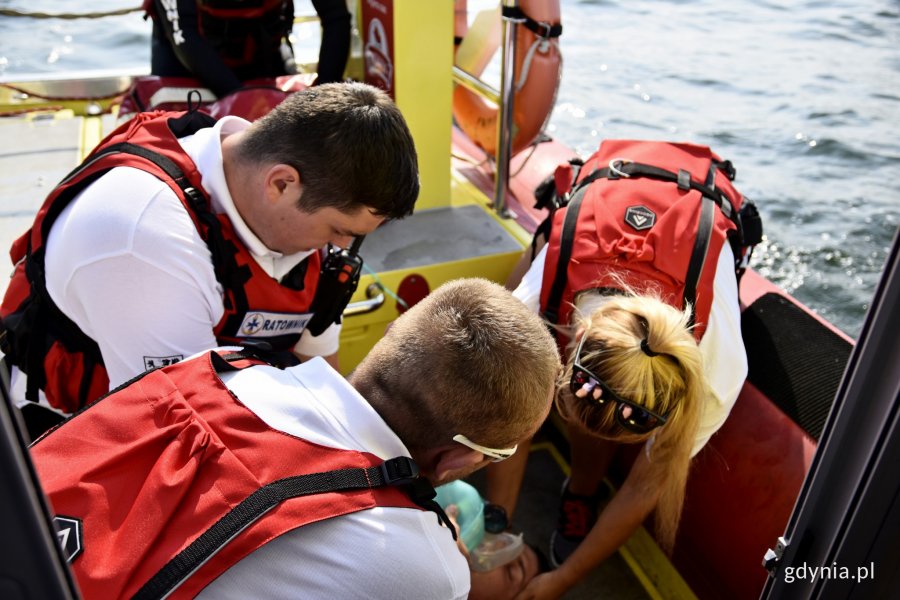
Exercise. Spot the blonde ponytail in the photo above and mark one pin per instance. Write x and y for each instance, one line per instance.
(644, 351)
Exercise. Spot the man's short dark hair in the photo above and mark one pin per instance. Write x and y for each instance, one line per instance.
(350, 145)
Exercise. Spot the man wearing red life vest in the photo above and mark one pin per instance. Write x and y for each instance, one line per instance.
(140, 477)
(179, 234)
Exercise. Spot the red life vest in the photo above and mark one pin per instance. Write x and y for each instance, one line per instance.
(654, 214)
(172, 460)
(57, 356)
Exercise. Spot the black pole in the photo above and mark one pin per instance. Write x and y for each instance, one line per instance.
(31, 560)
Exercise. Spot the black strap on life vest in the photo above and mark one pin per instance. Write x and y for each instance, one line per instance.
(223, 252)
(400, 471)
(228, 273)
(539, 28)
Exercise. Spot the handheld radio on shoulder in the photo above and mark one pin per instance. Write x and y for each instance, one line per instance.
(337, 282)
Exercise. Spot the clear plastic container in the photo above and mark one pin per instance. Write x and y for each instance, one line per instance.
(496, 549)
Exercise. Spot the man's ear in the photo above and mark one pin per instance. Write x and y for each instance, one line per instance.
(454, 458)
(283, 181)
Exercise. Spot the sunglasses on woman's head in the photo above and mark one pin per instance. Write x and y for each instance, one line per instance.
(629, 415)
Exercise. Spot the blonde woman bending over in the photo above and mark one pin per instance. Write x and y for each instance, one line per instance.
(638, 279)
(634, 374)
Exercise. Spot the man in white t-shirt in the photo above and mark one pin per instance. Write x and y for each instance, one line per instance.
(458, 381)
(142, 277)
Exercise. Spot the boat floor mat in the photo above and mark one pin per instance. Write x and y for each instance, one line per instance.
(794, 359)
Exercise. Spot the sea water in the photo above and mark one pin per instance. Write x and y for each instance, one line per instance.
(803, 96)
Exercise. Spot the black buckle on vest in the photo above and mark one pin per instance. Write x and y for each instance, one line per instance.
(545, 29)
(196, 198)
(399, 471)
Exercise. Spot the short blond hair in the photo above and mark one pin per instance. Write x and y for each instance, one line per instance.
(670, 383)
(468, 359)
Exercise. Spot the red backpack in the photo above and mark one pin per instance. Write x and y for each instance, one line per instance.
(654, 214)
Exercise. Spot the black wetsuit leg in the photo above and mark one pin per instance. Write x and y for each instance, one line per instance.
(335, 46)
(163, 61)
(180, 32)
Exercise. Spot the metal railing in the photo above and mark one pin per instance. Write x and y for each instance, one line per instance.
(504, 99)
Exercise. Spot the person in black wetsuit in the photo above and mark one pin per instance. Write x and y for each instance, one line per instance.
(335, 46)
(226, 43)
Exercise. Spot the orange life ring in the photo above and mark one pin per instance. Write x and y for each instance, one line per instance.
(536, 80)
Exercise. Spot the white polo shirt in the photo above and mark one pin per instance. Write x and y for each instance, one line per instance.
(385, 553)
(722, 346)
(126, 264)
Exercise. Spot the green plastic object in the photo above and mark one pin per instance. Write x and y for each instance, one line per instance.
(471, 510)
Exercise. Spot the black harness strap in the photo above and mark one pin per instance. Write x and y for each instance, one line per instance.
(698, 255)
(701, 247)
(551, 312)
(401, 470)
(626, 170)
(539, 28)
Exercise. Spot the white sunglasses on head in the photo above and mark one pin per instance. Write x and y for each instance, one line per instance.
(496, 455)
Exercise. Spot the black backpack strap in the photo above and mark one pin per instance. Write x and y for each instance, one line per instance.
(539, 28)
(399, 471)
(701, 245)
(541, 231)
(623, 169)
(567, 237)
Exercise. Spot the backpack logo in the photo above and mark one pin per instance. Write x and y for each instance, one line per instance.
(69, 534)
(640, 217)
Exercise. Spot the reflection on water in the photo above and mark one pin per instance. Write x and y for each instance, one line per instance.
(801, 96)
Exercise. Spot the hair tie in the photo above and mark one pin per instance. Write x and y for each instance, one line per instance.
(645, 346)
